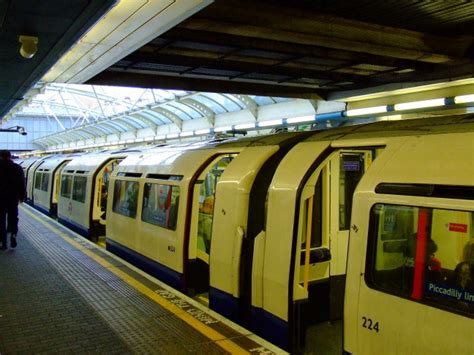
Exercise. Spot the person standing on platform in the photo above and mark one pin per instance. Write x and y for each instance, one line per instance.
(12, 191)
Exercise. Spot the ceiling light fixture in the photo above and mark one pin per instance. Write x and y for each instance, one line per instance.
(419, 104)
(366, 111)
(29, 46)
(464, 99)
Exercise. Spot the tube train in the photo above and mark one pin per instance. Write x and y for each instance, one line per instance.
(262, 226)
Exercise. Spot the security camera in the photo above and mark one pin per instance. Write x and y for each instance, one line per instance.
(29, 46)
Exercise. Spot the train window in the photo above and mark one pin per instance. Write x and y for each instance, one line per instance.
(66, 186)
(423, 254)
(79, 188)
(160, 205)
(350, 173)
(125, 198)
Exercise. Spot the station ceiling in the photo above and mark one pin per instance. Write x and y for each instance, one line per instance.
(315, 49)
(57, 24)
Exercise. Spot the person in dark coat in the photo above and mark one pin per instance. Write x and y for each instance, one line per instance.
(12, 191)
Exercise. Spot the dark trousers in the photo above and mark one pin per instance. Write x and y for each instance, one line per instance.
(8, 219)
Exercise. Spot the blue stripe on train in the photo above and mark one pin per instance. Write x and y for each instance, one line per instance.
(75, 227)
(42, 209)
(161, 272)
(263, 324)
(224, 303)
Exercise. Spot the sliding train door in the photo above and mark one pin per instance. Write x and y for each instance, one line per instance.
(55, 187)
(322, 244)
(202, 216)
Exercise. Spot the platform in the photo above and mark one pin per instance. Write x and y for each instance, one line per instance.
(61, 293)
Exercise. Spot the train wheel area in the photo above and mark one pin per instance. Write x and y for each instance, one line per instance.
(60, 291)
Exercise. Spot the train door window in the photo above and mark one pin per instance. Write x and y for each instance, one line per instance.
(207, 191)
(160, 205)
(79, 189)
(66, 186)
(38, 177)
(101, 189)
(57, 181)
(423, 254)
(314, 252)
(351, 169)
(125, 198)
(45, 181)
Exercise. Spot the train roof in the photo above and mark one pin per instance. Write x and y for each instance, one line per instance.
(90, 162)
(421, 126)
(25, 164)
(54, 161)
(185, 158)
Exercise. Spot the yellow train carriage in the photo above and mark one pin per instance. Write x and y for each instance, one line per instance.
(299, 271)
(410, 273)
(164, 206)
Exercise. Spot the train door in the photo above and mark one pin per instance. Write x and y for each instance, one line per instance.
(323, 234)
(100, 190)
(31, 181)
(418, 277)
(202, 215)
(55, 187)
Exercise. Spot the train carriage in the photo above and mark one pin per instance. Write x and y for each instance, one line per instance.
(315, 182)
(167, 226)
(410, 274)
(30, 176)
(45, 184)
(83, 194)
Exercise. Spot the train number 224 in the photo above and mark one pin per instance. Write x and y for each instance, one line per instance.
(370, 324)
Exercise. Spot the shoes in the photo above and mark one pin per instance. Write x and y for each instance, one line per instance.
(13, 241)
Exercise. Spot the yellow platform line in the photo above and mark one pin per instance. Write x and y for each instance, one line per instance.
(210, 333)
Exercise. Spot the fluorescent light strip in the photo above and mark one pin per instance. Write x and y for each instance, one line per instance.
(223, 129)
(270, 123)
(244, 126)
(186, 134)
(202, 131)
(366, 111)
(464, 99)
(299, 119)
(419, 104)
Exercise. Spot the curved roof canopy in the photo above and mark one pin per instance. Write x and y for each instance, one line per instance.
(103, 111)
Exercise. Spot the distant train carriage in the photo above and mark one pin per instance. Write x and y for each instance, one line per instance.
(30, 170)
(83, 193)
(46, 184)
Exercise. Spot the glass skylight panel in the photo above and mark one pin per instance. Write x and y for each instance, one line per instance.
(262, 100)
(214, 106)
(190, 111)
(184, 115)
(222, 100)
